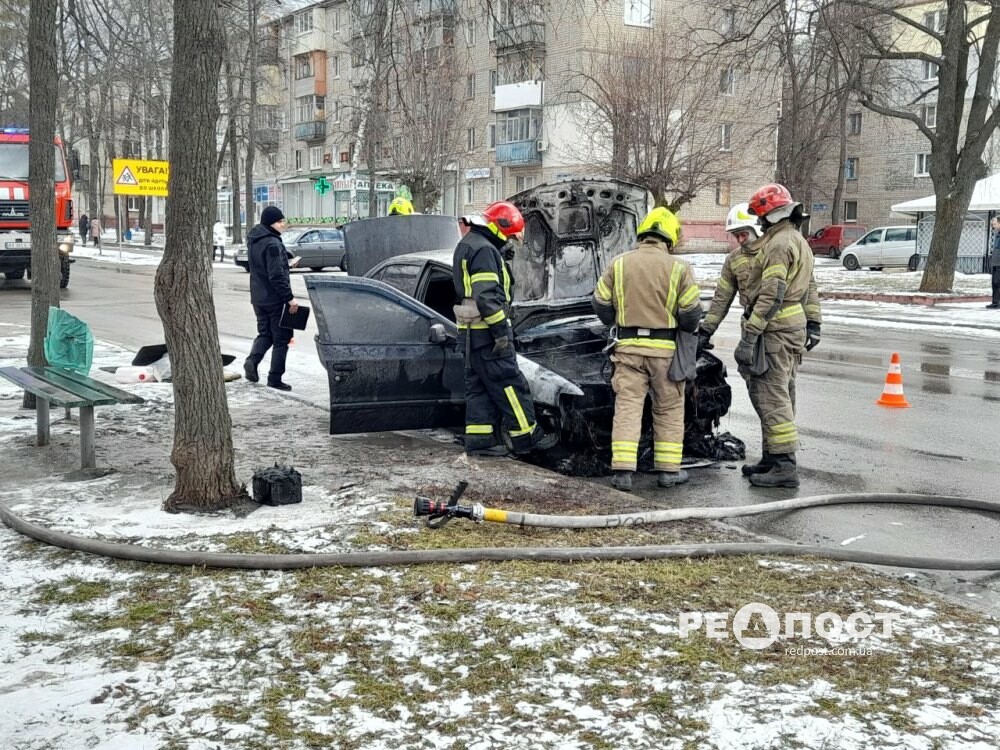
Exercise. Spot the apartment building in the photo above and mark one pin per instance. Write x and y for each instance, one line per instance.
(524, 119)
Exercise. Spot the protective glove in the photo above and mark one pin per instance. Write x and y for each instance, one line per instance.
(500, 344)
(705, 341)
(812, 336)
(744, 351)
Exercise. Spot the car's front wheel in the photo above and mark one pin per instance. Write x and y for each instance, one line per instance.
(914, 263)
(244, 266)
(851, 263)
(13, 275)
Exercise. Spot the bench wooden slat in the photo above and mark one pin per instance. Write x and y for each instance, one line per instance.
(106, 390)
(56, 378)
(42, 389)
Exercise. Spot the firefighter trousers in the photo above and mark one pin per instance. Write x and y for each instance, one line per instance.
(497, 393)
(773, 393)
(635, 376)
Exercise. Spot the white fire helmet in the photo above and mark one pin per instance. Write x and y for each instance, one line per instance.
(740, 218)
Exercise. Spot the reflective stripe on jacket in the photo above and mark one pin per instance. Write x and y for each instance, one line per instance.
(648, 288)
(479, 273)
(782, 292)
(737, 271)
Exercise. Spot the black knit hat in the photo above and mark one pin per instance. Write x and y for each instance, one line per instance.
(271, 216)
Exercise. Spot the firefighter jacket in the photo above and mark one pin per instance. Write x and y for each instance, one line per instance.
(782, 293)
(480, 275)
(737, 270)
(648, 293)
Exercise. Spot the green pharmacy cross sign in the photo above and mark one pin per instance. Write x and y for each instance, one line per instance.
(323, 186)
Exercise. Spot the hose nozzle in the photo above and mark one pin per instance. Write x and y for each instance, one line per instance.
(438, 513)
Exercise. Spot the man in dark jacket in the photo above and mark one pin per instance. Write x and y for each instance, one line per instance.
(995, 263)
(270, 292)
(84, 226)
(495, 389)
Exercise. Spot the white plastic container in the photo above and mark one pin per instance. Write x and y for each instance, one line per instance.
(134, 375)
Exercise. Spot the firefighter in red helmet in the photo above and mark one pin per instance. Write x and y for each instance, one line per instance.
(782, 319)
(496, 394)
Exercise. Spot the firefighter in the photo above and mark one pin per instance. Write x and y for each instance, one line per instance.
(737, 270)
(495, 390)
(648, 294)
(783, 308)
(400, 206)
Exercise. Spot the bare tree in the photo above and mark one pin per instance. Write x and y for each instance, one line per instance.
(43, 78)
(948, 58)
(203, 445)
(654, 118)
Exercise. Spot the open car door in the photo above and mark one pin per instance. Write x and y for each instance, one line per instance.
(392, 363)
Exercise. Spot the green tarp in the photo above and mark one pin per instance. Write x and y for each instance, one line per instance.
(69, 343)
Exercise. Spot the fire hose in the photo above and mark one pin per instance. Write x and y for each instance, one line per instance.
(438, 513)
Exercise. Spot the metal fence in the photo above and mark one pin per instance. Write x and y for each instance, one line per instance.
(972, 245)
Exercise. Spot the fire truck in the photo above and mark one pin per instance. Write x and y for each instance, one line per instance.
(15, 218)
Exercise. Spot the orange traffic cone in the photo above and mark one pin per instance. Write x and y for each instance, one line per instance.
(892, 393)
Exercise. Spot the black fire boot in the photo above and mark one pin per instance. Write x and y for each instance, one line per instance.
(622, 480)
(671, 478)
(765, 464)
(278, 385)
(784, 473)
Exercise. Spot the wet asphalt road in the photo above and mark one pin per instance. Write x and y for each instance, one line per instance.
(947, 444)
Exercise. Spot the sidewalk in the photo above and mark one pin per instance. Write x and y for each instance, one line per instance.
(109, 655)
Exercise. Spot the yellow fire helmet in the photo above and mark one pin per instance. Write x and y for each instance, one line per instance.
(663, 223)
(400, 207)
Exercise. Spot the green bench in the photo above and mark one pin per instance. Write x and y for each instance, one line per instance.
(58, 387)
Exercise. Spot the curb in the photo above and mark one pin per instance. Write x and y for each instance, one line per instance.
(904, 298)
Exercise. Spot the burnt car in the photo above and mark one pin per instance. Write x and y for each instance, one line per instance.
(390, 345)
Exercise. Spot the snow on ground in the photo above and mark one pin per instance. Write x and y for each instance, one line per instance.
(98, 653)
(115, 255)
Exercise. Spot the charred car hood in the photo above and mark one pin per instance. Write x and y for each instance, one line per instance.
(370, 241)
(572, 230)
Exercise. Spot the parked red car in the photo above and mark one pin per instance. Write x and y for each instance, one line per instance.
(830, 240)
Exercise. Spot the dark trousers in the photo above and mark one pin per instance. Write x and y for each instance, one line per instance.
(271, 336)
(222, 252)
(496, 392)
(996, 285)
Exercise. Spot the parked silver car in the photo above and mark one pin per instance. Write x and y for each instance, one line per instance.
(884, 247)
(316, 247)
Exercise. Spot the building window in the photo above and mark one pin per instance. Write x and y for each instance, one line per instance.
(470, 32)
(491, 136)
(308, 108)
(638, 12)
(470, 192)
(470, 86)
(930, 115)
(335, 66)
(727, 81)
(298, 159)
(854, 124)
(336, 20)
(303, 67)
(936, 20)
(471, 139)
(335, 112)
(345, 157)
(726, 136)
(851, 168)
(303, 22)
(930, 71)
(851, 211)
(922, 165)
(494, 191)
(135, 203)
(722, 191)
(518, 125)
(316, 157)
(728, 25)
(524, 182)
(493, 82)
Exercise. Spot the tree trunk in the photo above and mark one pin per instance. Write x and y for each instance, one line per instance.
(43, 82)
(939, 275)
(203, 440)
(252, 12)
(838, 192)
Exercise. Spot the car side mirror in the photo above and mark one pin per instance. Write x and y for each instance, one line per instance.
(438, 334)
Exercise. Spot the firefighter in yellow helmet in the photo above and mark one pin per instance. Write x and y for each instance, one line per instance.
(648, 294)
(400, 207)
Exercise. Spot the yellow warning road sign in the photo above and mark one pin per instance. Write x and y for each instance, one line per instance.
(137, 177)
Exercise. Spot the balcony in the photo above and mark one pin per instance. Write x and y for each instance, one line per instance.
(529, 35)
(518, 153)
(311, 131)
